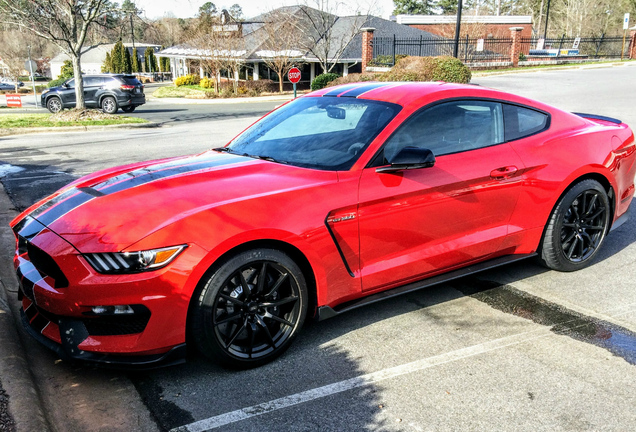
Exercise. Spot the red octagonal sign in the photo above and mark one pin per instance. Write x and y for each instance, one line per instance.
(294, 75)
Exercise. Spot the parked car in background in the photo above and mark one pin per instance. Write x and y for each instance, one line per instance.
(106, 91)
(7, 84)
(338, 199)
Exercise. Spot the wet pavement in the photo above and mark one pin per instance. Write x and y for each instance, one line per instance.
(619, 341)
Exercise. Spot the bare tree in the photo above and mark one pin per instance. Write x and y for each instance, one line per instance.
(281, 49)
(324, 33)
(219, 47)
(64, 22)
(13, 52)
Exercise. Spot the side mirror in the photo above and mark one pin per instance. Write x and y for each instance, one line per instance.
(409, 158)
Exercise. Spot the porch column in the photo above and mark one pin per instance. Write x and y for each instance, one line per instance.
(345, 69)
(255, 72)
(201, 73)
(312, 71)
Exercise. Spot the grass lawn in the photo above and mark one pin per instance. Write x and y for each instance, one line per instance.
(43, 120)
(179, 92)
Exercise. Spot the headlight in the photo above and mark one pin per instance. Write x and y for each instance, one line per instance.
(45, 91)
(133, 262)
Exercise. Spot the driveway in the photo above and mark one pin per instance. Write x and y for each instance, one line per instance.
(517, 348)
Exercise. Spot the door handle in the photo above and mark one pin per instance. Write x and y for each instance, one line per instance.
(503, 172)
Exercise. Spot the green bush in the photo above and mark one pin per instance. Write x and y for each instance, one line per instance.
(444, 68)
(322, 80)
(57, 82)
(450, 69)
(187, 80)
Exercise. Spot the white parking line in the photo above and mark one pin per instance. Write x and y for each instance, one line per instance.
(320, 392)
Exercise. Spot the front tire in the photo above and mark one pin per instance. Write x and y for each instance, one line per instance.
(54, 104)
(250, 309)
(577, 227)
(109, 105)
(128, 109)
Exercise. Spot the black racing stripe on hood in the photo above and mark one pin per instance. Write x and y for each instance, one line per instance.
(28, 228)
(63, 207)
(157, 172)
(64, 203)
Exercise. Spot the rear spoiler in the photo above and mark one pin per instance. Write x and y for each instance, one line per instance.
(598, 117)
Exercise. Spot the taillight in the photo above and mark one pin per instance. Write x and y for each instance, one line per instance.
(127, 87)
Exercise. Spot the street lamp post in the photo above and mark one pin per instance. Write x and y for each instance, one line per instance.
(35, 96)
(457, 28)
(547, 15)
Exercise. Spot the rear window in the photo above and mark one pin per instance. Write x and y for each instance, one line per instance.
(131, 81)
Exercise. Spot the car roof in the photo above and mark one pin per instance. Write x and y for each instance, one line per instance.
(407, 93)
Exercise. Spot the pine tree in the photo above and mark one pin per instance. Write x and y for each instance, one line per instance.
(118, 58)
(127, 61)
(151, 60)
(107, 67)
(135, 62)
(414, 7)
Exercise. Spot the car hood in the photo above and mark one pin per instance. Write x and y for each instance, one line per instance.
(107, 215)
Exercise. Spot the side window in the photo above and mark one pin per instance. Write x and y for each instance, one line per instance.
(92, 82)
(522, 122)
(71, 84)
(450, 127)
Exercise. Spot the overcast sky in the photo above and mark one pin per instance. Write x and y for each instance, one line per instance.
(189, 8)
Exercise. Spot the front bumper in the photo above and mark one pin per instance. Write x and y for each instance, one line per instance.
(58, 290)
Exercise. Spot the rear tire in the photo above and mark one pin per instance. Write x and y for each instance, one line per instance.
(250, 309)
(54, 104)
(577, 227)
(109, 105)
(128, 109)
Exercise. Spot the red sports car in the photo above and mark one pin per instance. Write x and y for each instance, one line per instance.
(337, 199)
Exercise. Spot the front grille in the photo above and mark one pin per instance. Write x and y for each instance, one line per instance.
(45, 264)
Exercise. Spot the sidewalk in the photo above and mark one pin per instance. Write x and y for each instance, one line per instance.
(45, 393)
(25, 405)
(188, 101)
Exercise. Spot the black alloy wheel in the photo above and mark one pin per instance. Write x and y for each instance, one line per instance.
(577, 227)
(250, 309)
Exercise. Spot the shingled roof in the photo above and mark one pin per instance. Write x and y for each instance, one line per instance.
(254, 35)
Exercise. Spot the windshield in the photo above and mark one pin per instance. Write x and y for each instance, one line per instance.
(316, 132)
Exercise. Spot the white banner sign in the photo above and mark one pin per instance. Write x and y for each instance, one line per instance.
(626, 22)
(480, 44)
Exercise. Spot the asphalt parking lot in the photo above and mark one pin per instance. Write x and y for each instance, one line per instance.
(517, 348)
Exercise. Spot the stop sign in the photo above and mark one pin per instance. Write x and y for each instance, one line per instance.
(294, 75)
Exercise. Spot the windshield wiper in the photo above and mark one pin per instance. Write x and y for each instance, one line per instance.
(267, 158)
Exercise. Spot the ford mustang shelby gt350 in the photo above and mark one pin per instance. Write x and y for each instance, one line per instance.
(334, 200)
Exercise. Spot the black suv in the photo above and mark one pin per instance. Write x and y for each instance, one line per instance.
(108, 92)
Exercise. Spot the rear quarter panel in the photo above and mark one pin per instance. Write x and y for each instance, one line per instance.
(571, 148)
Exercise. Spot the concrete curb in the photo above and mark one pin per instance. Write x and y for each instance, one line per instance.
(25, 404)
(24, 131)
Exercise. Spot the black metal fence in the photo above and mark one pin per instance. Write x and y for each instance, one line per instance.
(589, 47)
(387, 50)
